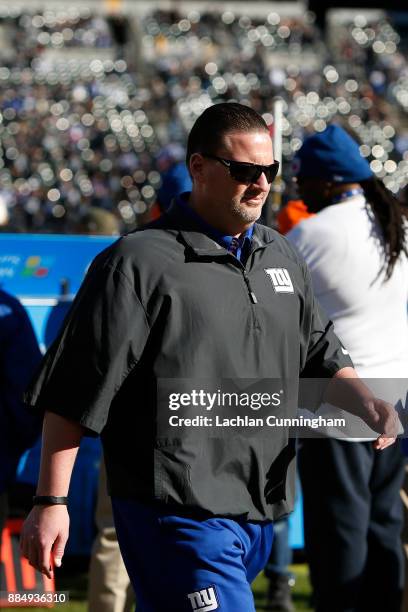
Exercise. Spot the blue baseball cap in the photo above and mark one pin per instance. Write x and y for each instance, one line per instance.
(332, 155)
(175, 181)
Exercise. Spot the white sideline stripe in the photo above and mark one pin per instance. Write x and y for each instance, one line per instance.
(39, 301)
(47, 301)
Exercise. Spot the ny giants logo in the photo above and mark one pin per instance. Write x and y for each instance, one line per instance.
(204, 600)
(280, 280)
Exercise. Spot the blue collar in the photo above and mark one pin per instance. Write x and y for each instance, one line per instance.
(231, 244)
(347, 194)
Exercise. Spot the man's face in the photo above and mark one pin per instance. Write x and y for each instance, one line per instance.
(234, 205)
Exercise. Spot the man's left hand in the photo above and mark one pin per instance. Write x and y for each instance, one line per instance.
(383, 418)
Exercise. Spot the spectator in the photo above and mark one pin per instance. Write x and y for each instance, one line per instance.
(291, 214)
(357, 254)
(86, 132)
(19, 357)
(109, 588)
(97, 222)
(175, 179)
(280, 579)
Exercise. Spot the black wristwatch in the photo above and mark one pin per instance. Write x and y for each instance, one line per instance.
(49, 500)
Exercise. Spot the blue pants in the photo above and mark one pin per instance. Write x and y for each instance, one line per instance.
(179, 564)
(353, 520)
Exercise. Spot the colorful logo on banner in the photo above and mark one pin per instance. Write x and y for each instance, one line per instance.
(37, 267)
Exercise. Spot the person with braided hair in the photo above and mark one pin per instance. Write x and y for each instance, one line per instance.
(356, 250)
(390, 216)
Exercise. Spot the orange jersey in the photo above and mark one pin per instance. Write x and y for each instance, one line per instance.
(291, 214)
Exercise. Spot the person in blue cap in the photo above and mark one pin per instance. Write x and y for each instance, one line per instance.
(175, 180)
(174, 175)
(356, 250)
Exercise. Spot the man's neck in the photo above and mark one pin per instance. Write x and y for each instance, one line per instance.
(230, 228)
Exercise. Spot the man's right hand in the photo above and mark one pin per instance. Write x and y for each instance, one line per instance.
(45, 532)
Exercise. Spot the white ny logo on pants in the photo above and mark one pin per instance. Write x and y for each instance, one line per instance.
(204, 600)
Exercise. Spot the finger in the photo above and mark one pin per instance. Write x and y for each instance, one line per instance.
(58, 549)
(380, 443)
(45, 561)
(383, 442)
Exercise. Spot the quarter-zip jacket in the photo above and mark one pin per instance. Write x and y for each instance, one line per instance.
(167, 302)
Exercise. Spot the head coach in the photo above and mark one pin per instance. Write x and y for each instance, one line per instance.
(204, 292)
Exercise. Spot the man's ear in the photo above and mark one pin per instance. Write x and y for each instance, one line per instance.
(196, 167)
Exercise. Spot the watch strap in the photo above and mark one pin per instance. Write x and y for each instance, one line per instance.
(49, 500)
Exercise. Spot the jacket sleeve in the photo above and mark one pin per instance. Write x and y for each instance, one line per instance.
(101, 342)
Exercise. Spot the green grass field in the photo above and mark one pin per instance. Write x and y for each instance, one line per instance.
(76, 583)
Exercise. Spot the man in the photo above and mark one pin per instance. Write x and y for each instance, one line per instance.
(19, 357)
(356, 251)
(196, 296)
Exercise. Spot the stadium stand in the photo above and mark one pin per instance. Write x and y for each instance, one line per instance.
(84, 117)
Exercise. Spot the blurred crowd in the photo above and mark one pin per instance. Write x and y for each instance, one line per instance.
(87, 129)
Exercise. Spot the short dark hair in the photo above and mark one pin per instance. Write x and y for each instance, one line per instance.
(218, 120)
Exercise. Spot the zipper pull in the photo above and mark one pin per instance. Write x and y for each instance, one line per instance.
(248, 284)
(253, 297)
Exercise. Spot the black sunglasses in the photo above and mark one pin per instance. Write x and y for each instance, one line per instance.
(245, 172)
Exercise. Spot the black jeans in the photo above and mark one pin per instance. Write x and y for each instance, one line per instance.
(353, 522)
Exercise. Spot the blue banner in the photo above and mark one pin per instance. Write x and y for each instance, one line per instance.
(36, 266)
